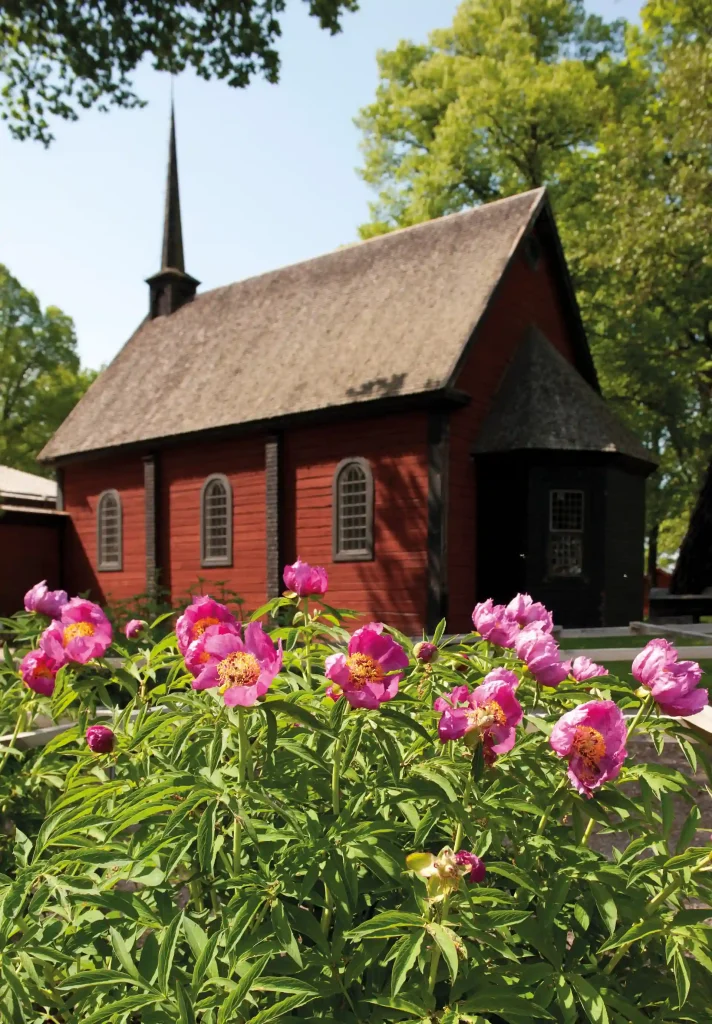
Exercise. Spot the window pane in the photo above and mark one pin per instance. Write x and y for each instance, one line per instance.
(566, 511)
(565, 554)
(216, 524)
(109, 532)
(352, 520)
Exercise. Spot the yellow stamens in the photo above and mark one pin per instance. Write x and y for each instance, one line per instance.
(238, 669)
(487, 715)
(363, 669)
(76, 629)
(202, 624)
(590, 746)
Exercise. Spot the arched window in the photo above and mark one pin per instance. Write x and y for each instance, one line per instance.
(109, 547)
(353, 511)
(216, 521)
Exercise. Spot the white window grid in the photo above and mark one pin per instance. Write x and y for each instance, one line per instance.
(109, 532)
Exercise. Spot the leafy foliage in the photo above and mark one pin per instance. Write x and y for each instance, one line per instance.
(40, 376)
(616, 122)
(59, 56)
(249, 865)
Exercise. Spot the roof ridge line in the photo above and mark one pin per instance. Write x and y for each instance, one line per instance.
(397, 232)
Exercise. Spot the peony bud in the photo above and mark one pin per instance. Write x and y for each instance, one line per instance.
(425, 651)
(134, 627)
(100, 739)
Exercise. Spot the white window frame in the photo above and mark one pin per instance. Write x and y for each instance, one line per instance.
(339, 552)
(208, 561)
(102, 564)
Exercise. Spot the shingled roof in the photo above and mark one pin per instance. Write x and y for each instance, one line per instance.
(385, 317)
(543, 403)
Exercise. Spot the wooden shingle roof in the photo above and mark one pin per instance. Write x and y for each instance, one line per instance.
(386, 317)
(543, 404)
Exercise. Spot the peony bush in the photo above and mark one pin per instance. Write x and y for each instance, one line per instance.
(307, 823)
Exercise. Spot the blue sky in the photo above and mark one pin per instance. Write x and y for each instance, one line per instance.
(267, 174)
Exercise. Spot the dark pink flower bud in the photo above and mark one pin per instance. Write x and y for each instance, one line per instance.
(305, 580)
(476, 866)
(100, 739)
(425, 651)
(134, 627)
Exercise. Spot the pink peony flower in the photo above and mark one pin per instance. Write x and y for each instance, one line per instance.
(39, 672)
(592, 737)
(198, 616)
(371, 671)
(530, 614)
(47, 602)
(242, 669)
(196, 657)
(494, 623)
(673, 684)
(134, 627)
(473, 862)
(541, 654)
(656, 656)
(583, 668)
(82, 633)
(426, 652)
(100, 739)
(305, 580)
(491, 710)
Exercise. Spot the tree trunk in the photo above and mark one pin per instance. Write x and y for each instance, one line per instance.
(653, 555)
(693, 571)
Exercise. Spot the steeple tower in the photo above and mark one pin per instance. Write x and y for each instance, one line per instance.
(171, 287)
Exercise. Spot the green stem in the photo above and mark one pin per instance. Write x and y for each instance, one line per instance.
(18, 729)
(587, 834)
(465, 798)
(435, 955)
(236, 845)
(547, 813)
(328, 911)
(307, 644)
(336, 768)
(243, 749)
(644, 708)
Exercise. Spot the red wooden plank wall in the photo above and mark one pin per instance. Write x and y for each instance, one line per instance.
(83, 483)
(391, 588)
(526, 296)
(182, 472)
(28, 553)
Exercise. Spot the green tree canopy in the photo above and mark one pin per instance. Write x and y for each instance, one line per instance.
(40, 376)
(616, 121)
(58, 57)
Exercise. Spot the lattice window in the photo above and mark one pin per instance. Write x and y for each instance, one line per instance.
(566, 510)
(353, 511)
(108, 532)
(216, 521)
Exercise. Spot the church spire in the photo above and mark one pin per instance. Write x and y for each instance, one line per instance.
(171, 287)
(172, 255)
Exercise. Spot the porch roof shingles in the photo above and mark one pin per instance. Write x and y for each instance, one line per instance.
(543, 403)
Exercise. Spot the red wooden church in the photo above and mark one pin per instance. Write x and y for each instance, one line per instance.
(418, 412)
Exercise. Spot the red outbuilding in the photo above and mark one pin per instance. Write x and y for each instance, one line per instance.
(419, 413)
